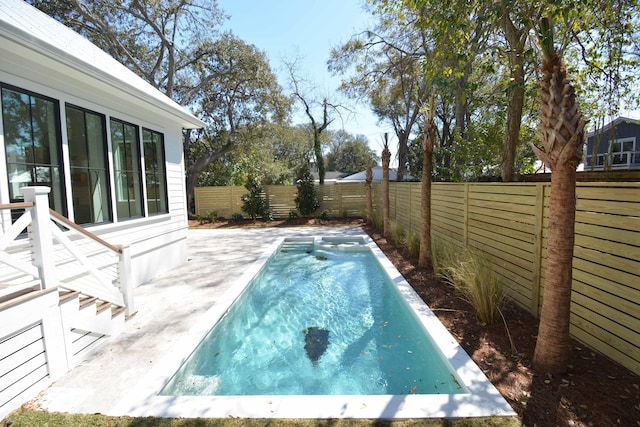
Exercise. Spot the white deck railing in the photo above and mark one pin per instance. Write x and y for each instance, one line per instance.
(63, 253)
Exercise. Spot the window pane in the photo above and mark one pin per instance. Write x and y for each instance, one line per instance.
(33, 144)
(128, 173)
(77, 137)
(96, 143)
(87, 147)
(16, 115)
(156, 178)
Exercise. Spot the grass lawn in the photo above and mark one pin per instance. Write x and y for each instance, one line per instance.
(32, 418)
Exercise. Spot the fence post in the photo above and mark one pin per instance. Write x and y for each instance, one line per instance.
(40, 234)
(124, 278)
(465, 222)
(537, 250)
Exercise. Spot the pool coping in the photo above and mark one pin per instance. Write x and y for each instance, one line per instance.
(482, 400)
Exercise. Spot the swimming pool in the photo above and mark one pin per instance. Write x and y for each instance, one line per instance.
(469, 392)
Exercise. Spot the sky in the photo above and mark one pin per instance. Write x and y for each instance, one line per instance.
(308, 30)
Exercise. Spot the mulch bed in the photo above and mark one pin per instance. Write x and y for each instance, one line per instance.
(594, 391)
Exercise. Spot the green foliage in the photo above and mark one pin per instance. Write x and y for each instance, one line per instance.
(254, 203)
(472, 277)
(236, 217)
(213, 216)
(397, 233)
(324, 215)
(293, 214)
(377, 219)
(307, 199)
(349, 153)
(412, 243)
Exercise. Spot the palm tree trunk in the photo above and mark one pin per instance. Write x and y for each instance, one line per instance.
(369, 181)
(386, 159)
(562, 129)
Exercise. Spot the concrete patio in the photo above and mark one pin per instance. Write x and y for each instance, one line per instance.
(167, 307)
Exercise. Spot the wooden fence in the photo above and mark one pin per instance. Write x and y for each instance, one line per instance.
(344, 200)
(508, 224)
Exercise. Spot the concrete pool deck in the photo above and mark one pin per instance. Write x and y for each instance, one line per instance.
(169, 307)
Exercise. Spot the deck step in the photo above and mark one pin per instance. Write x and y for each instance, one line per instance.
(86, 301)
(102, 306)
(67, 295)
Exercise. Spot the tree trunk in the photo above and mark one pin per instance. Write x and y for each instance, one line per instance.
(425, 205)
(369, 181)
(562, 129)
(386, 159)
(403, 149)
(516, 40)
(552, 352)
(317, 150)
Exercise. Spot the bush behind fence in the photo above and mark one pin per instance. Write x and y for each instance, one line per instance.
(507, 223)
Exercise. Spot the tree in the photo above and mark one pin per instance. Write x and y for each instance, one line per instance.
(562, 128)
(349, 153)
(386, 159)
(253, 203)
(317, 126)
(159, 40)
(174, 45)
(237, 105)
(516, 27)
(306, 200)
(385, 68)
(427, 166)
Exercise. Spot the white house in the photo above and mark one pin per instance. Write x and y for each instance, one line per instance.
(107, 143)
(86, 137)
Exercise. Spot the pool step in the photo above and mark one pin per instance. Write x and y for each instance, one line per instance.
(301, 244)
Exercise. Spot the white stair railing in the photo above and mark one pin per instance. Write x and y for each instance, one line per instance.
(108, 281)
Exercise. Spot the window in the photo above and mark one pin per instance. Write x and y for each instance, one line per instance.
(33, 144)
(127, 169)
(155, 174)
(88, 163)
(622, 150)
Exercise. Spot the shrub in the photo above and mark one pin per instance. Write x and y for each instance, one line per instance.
(443, 255)
(324, 215)
(472, 277)
(306, 200)
(377, 220)
(213, 216)
(412, 242)
(293, 214)
(397, 233)
(254, 203)
(236, 217)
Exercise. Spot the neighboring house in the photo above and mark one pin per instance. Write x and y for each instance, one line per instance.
(614, 147)
(376, 175)
(84, 136)
(107, 143)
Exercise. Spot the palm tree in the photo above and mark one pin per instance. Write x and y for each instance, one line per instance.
(369, 181)
(562, 135)
(386, 159)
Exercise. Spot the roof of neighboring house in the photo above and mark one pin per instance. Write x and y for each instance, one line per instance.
(615, 122)
(31, 28)
(377, 176)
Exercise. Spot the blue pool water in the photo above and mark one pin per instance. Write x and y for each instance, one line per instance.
(317, 320)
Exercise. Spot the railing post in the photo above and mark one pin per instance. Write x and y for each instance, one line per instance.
(124, 278)
(40, 234)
